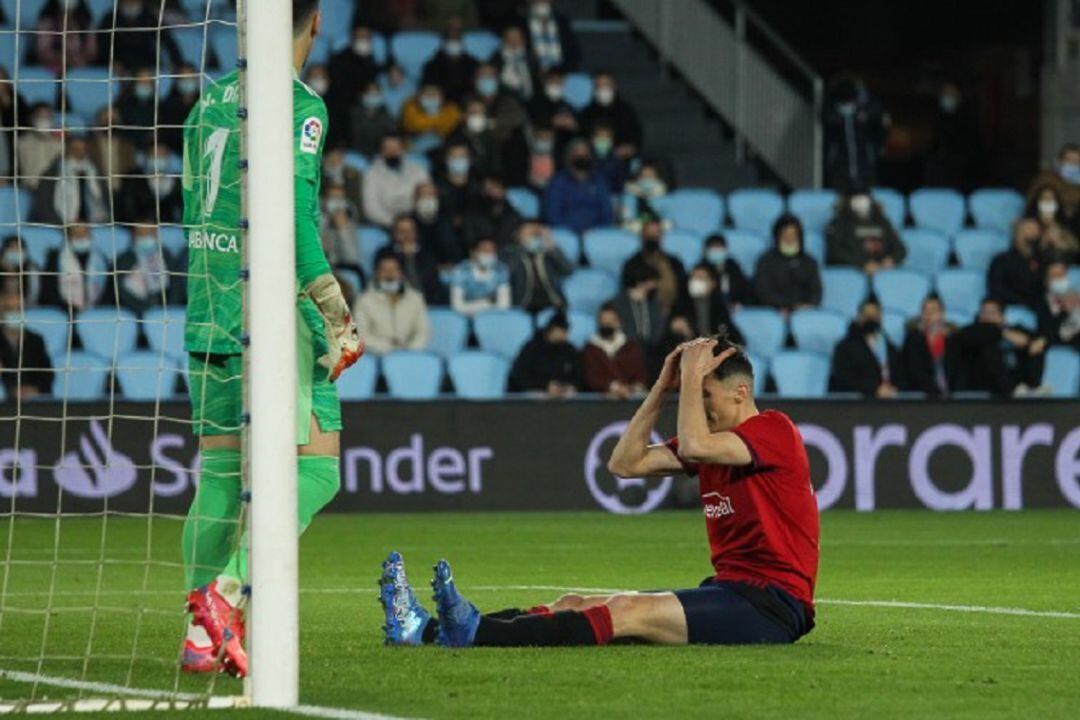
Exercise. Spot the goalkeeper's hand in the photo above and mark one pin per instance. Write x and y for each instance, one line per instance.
(343, 342)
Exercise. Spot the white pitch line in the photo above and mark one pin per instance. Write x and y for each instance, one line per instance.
(105, 688)
(954, 608)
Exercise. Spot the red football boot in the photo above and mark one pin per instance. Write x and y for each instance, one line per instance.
(223, 623)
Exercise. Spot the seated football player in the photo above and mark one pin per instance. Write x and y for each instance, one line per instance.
(761, 519)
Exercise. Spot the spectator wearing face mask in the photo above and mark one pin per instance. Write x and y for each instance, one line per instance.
(927, 355)
(548, 107)
(390, 182)
(639, 310)
(143, 272)
(430, 114)
(352, 71)
(420, 267)
(153, 190)
(786, 278)
(995, 358)
(518, 73)
(436, 235)
(77, 275)
(956, 151)
(12, 106)
(490, 215)
(577, 197)
(703, 304)
(508, 121)
(671, 275)
(482, 282)
(62, 40)
(336, 171)
(1064, 177)
(639, 194)
(458, 183)
(396, 88)
(854, 131)
(1057, 238)
(608, 108)
(552, 44)
(608, 165)
(548, 363)
(475, 131)
(109, 149)
(370, 121)
(451, 68)
(731, 283)
(390, 314)
(1059, 314)
(317, 78)
(25, 367)
(865, 361)
(18, 273)
(541, 157)
(1015, 276)
(39, 147)
(338, 231)
(537, 269)
(861, 236)
(613, 364)
(176, 106)
(137, 107)
(73, 190)
(139, 42)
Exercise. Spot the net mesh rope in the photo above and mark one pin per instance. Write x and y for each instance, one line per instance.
(98, 469)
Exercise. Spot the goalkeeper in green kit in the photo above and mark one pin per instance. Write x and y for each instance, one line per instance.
(327, 343)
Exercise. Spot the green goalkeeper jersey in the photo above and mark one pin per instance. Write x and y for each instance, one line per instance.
(212, 209)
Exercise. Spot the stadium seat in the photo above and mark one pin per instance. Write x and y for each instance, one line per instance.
(89, 89)
(818, 330)
(201, 10)
(697, 209)
(413, 48)
(356, 161)
(420, 159)
(801, 374)
(14, 205)
(582, 326)
(745, 247)
(101, 10)
(111, 240)
(524, 201)
(995, 208)
(358, 382)
(107, 331)
(478, 375)
(814, 208)
(755, 210)
(608, 248)
(448, 331)
(164, 329)
(927, 250)
(371, 239)
(53, 325)
(37, 85)
(191, 41)
(1074, 277)
(1021, 316)
(25, 12)
(1062, 372)
(577, 90)
(351, 277)
(761, 371)
(763, 328)
(413, 374)
(814, 245)
(38, 241)
(843, 288)
(321, 50)
(567, 241)
(172, 239)
(80, 375)
(223, 42)
(895, 326)
(337, 21)
(961, 291)
(146, 375)
(892, 204)
(976, 248)
(938, 209)
(901, 290)
(11, 55)
(503, 331)
(481, 44)
(686, 245)
(587, 289)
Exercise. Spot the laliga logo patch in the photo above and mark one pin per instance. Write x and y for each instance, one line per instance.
(310, 134)
(624, 496)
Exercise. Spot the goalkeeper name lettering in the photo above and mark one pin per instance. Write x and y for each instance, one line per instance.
(219, 242)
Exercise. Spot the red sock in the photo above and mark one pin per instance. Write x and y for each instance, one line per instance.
(599, 618)
(539, 610)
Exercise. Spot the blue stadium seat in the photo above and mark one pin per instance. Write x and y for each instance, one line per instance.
(321, 50)
(763, 328)
(337, 21)
(412, 374)
(1074, 277)
(23, 12)
(89, 89)
(697, 209)
(901, 290)
(172, 239)
(524, 201)
(608, 248)
(146, 375)
(761, 371)
(12, 52)
(582, 326)
(101, 10)
(745, 247)
(164, 329)
(111, 240)
(567, 241)
(818, 330)
(577, 90)
(895, 326)
(54, 327)
(413, 48)
(976, 248)
(801, 374)
(1062, 372)
(356, 161)
(80, 375)
(202, 10)
(371, 239)
(814, 208)
(38, 241)
(892, 204)
(481, 44)
(1022, 316)
(755, 210)
(358, 382)
(419, 159)
(961, 291)
(686, 245)
(938, 209)
(223, 42)
(191, 41)
(37, 85)
(107, 332)
(995, 208)
(927, 250)
(843, 288)
(503, 331)
(814, 245)
(478, 375)
(448, 331)
(345, 275)
(587, 289)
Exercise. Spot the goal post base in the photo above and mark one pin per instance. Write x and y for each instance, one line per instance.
(217, 702)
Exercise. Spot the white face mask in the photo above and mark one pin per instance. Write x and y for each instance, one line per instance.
(320, 85)
(80, 245)
(362, 47)
(554, 91)
(486, 260)
(542, 9)
(698, 287)
(42, 123)
(13, 258)
(390, 287)
(476, 123)
(1048, 208)
(860, 205)
(605, 95)
(427, 207)
(1059, 285)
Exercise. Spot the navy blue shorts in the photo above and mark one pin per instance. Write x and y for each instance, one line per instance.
(722, 612)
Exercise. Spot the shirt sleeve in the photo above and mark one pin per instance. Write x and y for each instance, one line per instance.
(689, 468)
(309, 140)
(768, 439)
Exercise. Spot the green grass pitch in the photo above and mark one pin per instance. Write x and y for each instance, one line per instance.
(861, 661)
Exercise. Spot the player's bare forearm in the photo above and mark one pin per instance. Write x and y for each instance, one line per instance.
(633, 455)
(697, 443)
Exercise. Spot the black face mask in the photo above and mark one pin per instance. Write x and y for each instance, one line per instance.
(581, 164)
(393, 162)
(650, 245)
(869, 327)
(607, 331)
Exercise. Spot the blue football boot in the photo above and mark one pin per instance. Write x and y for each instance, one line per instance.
(458, 618)
(405, 618)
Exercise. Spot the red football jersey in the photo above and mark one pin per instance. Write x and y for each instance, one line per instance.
(762, 518)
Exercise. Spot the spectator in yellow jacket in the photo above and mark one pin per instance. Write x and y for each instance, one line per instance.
(429, 112)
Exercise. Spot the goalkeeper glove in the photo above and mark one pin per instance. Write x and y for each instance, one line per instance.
(344, 346)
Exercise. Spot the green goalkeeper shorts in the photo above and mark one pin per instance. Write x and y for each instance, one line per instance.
(215, 385)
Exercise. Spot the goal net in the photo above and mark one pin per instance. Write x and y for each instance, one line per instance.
(98, 463)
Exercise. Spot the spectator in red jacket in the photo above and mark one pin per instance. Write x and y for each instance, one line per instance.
(613, 364)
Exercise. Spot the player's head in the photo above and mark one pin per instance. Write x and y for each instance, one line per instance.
(306, 22)
(729, 390)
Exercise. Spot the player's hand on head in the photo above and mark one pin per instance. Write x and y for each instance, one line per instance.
(343, 341)
(698, 359)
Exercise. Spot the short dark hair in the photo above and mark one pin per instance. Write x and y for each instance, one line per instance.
(989, 300)
(302, 10)
(1068, 147)
(782, 222)
(737, 364)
